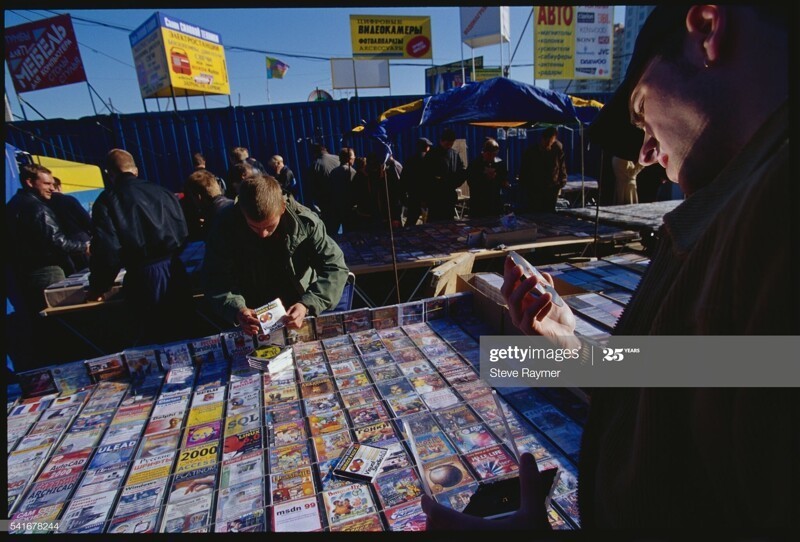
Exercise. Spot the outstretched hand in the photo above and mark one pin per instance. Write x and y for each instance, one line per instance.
(532, 514)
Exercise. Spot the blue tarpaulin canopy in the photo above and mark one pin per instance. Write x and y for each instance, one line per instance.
(498, 100)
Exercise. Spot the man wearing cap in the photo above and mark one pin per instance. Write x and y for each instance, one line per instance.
(706, 97)
(413, 181)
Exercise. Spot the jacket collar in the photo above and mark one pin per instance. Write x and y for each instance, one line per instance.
(689, 220)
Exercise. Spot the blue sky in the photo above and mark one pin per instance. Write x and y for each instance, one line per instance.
(317, 32)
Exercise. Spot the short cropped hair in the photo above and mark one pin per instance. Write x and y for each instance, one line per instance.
(490, 144)
(120, 161)
(204, 183)
(275, 160)
(242, 170)
(30, 172)
(240, 154)
(344, 155)
(198, 160)
(260, 197)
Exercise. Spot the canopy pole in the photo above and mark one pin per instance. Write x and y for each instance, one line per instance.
(597, 207)
(463, 69)
(583, 184)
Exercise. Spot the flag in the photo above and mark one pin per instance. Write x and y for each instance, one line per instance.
(275, 68)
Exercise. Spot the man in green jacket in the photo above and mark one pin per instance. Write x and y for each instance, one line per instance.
(267, 247)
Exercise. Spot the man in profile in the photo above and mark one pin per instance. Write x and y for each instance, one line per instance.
(38, 243)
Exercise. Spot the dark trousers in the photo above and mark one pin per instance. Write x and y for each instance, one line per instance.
(160, 299)
(25, 329)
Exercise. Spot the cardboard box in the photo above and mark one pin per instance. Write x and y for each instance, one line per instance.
(72, 290)
(491, 312)
(493, 237)
(496, 314)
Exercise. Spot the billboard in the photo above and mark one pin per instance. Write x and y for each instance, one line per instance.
(386, 36)
(442, 78)
(172, 54)
(481, 26)
(351, 73)
(43, 54)
(573, 42)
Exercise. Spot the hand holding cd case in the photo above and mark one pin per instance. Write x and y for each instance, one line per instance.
(502, 498)
(360, 462)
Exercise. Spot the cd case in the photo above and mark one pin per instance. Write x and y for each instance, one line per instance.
(361, 462)
(498, 499)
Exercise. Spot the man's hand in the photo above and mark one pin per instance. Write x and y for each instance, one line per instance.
(531, 515)
(248, 321)
(295, 315)
(536, 314)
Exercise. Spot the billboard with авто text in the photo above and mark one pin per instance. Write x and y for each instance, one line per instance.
(573, 42)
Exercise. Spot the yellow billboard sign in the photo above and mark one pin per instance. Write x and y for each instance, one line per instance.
(386, 36)
(573, 42)
(172, 55)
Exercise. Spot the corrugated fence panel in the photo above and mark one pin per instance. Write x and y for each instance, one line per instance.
(163, 142)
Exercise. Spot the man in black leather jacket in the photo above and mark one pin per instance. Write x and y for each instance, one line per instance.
(39, 246)
(140, 226)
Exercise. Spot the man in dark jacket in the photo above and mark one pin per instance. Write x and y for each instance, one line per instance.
(487, 177)
(76, 223)
(38, 245)
(543, 173)
(445, 173)
(240, 156)
(413, 181)
(205, 196)
(318, 178)
(140, 226)
(283, 175)
(268, 246)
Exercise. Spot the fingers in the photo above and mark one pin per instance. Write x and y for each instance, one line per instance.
(511, 274)
(441, 518)
(549, 279)
(532, 511)
(535, 312)
(529, 483)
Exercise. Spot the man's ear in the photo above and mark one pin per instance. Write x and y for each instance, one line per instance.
(706, 25)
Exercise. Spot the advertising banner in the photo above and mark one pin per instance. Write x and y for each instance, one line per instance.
(172, 53)
(350, 73)
(43, 54)
(573, 42)
(442, 78)
(485, 25)
(386, 36)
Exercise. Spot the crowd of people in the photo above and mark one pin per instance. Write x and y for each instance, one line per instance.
(644, 451)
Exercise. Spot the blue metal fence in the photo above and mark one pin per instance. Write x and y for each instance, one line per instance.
(162, 143)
